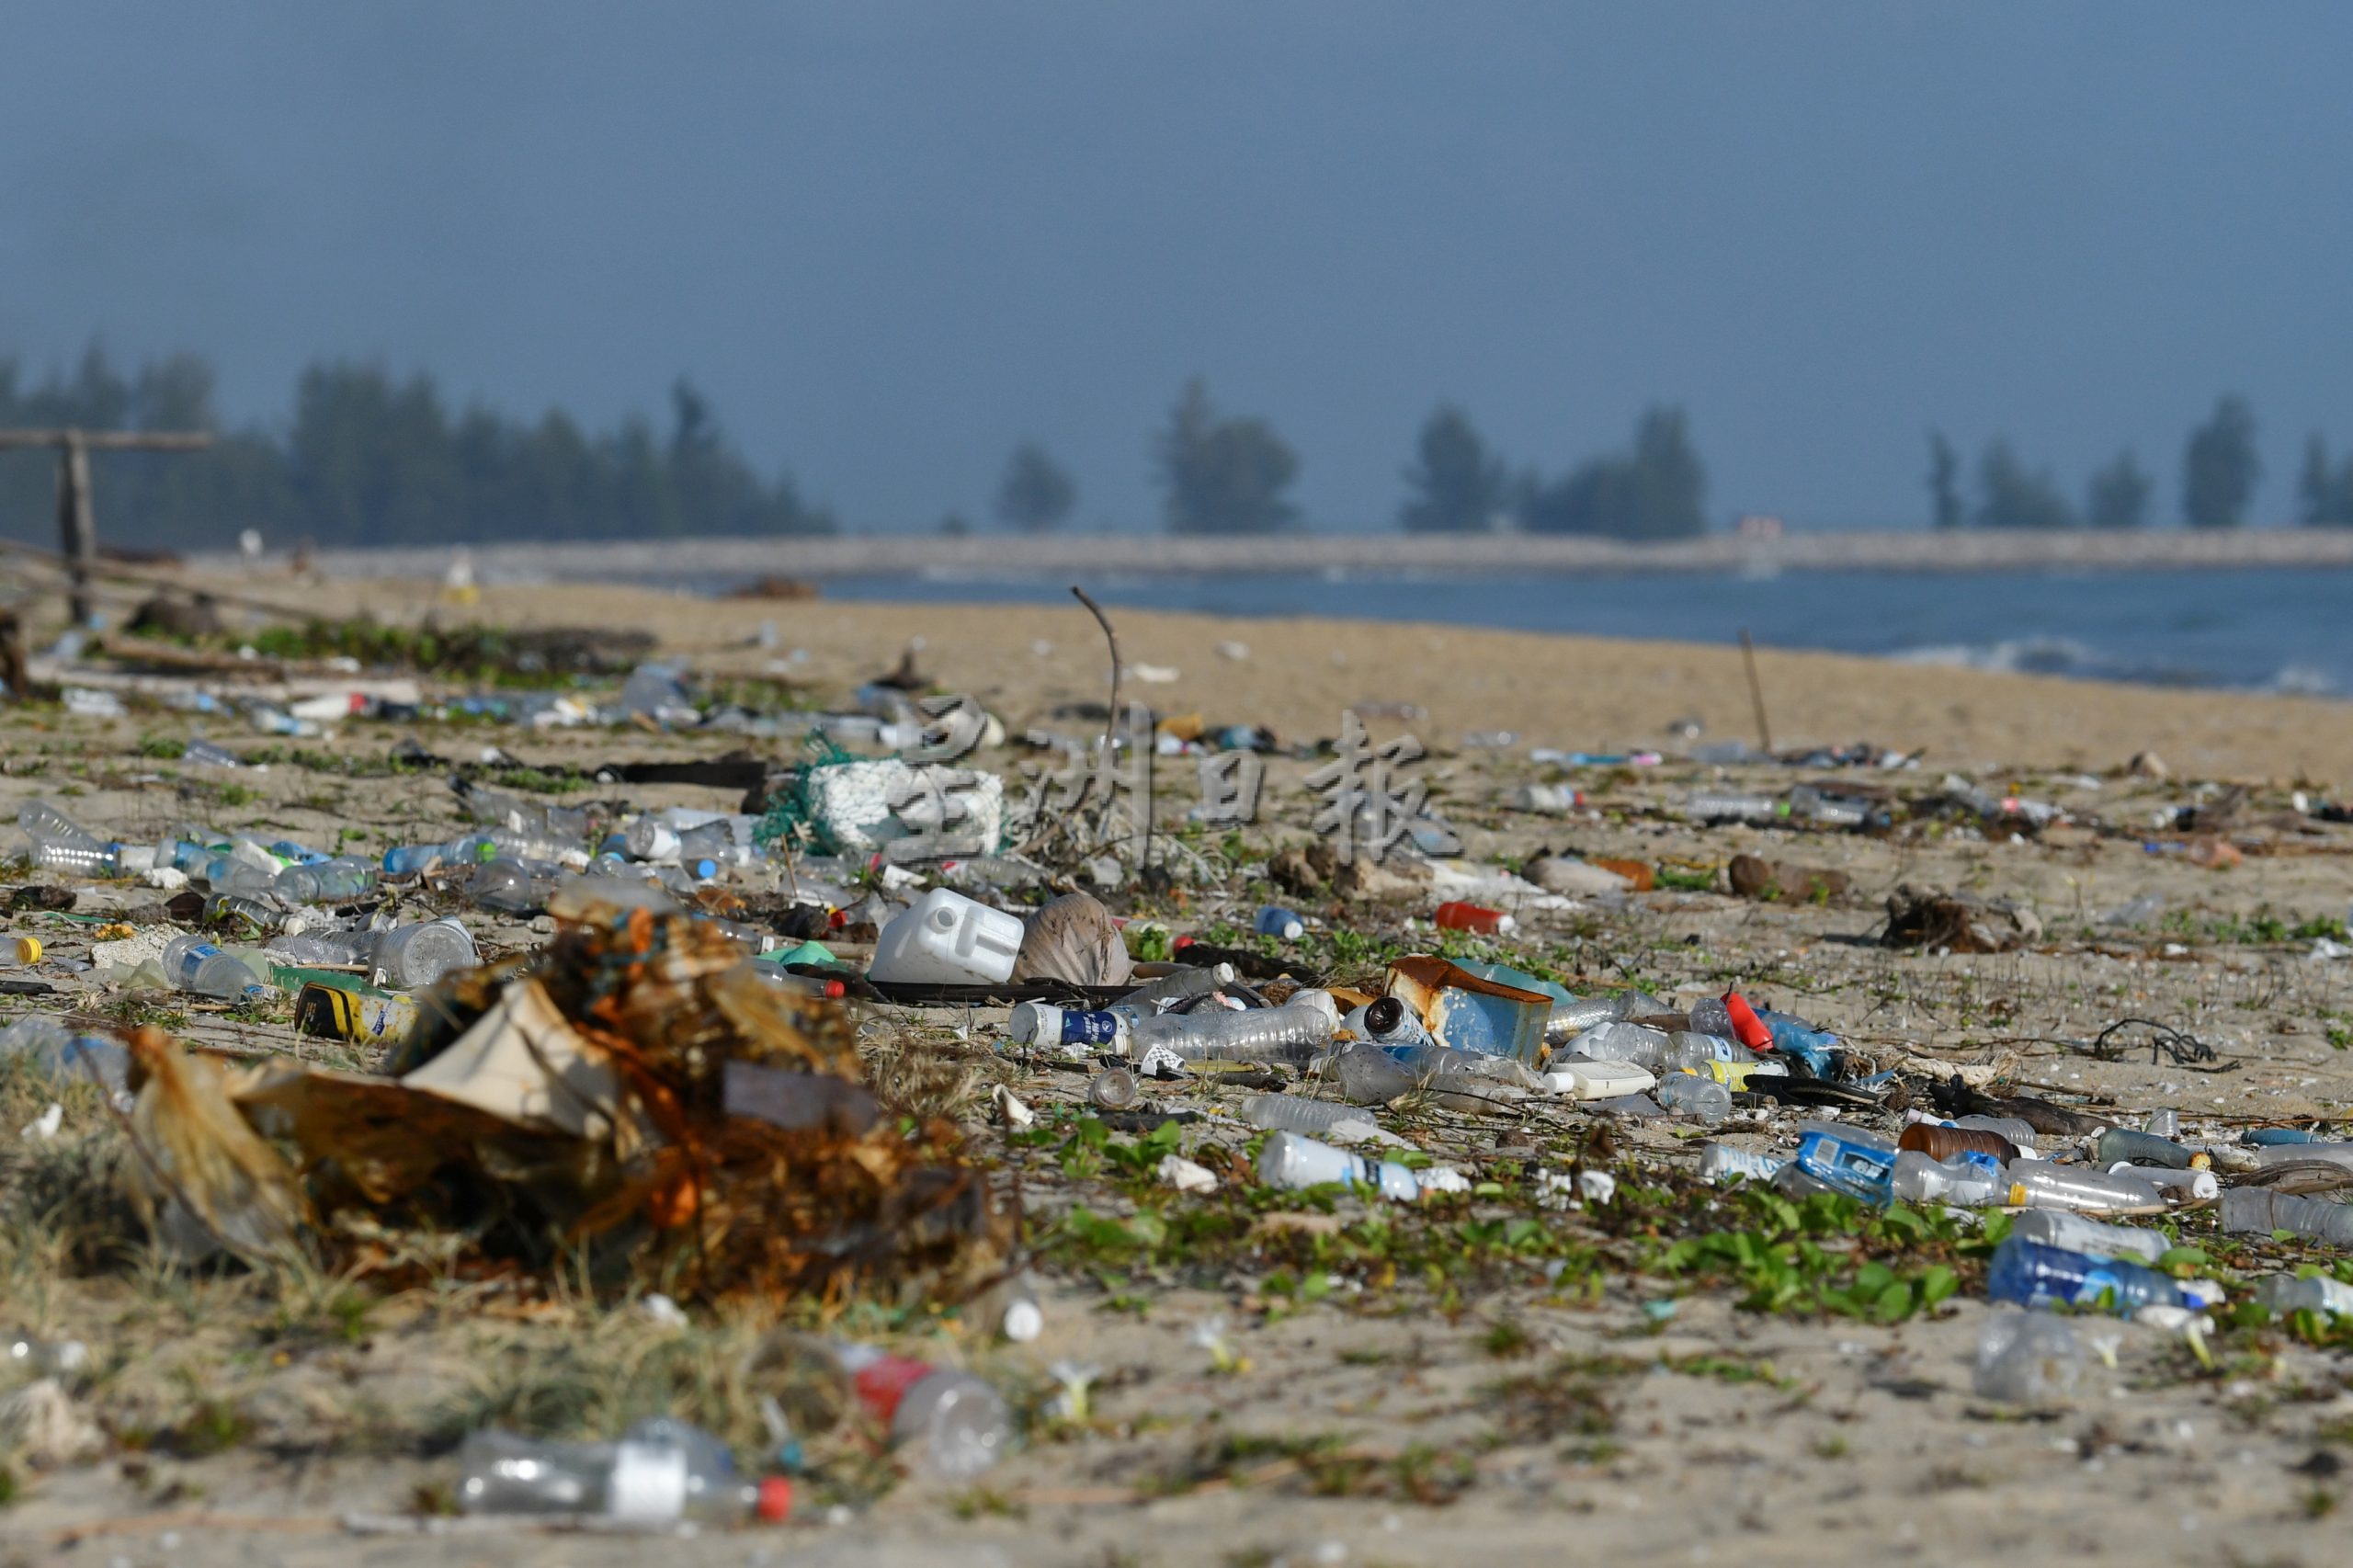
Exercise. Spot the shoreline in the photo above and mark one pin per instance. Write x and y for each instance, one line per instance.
(861, 555)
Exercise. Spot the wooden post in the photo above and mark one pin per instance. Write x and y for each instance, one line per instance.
(77, 534)
(77, 529)
(1756, 691)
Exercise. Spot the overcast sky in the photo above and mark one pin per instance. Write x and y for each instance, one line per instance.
(890, 240)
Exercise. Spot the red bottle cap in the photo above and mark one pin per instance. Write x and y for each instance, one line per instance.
(1180, 942)
(1747, 1027)
(836, 991)
(775, 1504)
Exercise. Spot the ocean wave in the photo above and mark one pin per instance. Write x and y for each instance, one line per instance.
(2011, 656)
(2301, 680)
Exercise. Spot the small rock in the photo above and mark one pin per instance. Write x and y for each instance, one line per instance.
(1182, 1174)
(48, 1427)
(2148, 764)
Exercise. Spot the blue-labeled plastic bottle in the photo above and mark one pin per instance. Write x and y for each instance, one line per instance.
(2034, 1275)
(1274, 920)
(1795, 1037)
(1848, 1160)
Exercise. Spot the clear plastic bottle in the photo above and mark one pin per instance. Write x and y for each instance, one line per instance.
(2259, 1210)
(1114, 1088)
(46, 820)
(1292, 1161)
(1713, 805)
(1183, 985)
(1292, 1032)
(2038, 1184)
(1687, 1094)
(1811, 804)
(1920, 1178)
(1385, 1022)
(1722, 1163)
(414, 957)
(407, 860)
(663, 1470)
(1700, 1053)
(332, 949)
(947, 1423)
(508, 886)
(329, 882)
(2284, 1293)
(191, 964)
(2027, 1358)
(2033, 1275)
(2071, 1230)
(1617, 1041)
(1367, 1074)
(43, 1357)
(75, 859)
(2194, 1185)
(58, 1051)
(1314, 1118)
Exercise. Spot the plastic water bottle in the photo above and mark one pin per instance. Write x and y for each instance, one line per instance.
(2284, 1293)
(191, 964)
(1940, 1142)
(664, 1470)
(412, 957)
(1290, 1161)
(1274, 920)
(1617, 1041)
(1920, 1178)
(1314, 1118)
(2033, 1275)
(1383, 1021)
(329, 882)
(2065, 1229)
(1847, 1159)
(1722, 1163)
(1183, 985)
(1292, 1032)
(1704, 1099)
(508, 886)
(1367, 1074)
(2195, 1185)
(46, 820)
(334, 949)
(2259, 1210)
(2038, 1184)
(1043, 1024)
(1709, 805)
(59, 1052)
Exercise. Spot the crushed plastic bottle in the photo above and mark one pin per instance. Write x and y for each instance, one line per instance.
(2120, 1145)
(328, 881)
(950, 1424)
(1314, 1118)
(1181, 986)
(2259, 1210)
(59, 1052)
(2285, 1294)
(2028, 1359)
(1851, 1160)
(1722, 1163)
(1919, 1177)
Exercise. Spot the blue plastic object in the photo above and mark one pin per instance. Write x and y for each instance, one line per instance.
(2034, 1275)
(1858, 1169)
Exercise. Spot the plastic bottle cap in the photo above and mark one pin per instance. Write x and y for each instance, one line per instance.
(29, 950)
(1023, 1322)
(775, 1504)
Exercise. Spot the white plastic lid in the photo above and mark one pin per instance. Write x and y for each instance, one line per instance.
(1024, 1321)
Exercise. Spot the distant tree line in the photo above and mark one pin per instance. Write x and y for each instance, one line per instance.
(2220, 471)
(371, 458)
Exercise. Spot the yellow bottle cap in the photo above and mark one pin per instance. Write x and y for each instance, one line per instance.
(29, 950)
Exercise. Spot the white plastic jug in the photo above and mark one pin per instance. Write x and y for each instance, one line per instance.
(947, 939)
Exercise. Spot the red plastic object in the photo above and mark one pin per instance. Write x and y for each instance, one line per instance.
(1747, 1027)
(1456, 916)
(775, 1504)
